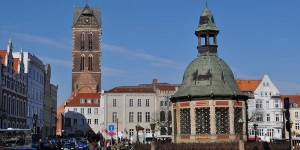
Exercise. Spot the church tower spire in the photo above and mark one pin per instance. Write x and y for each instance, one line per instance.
(207, 32)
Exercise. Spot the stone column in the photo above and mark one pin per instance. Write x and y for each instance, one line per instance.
(231, 120)
(178, 123)
(212, 120)
(193, 122)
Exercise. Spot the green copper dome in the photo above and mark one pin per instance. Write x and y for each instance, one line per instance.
(208, 76)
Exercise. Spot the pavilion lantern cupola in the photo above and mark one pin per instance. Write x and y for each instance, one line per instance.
(208, 104)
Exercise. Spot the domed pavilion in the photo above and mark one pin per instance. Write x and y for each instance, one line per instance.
(208, 106)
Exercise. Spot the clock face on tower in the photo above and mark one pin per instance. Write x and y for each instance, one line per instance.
(87, 20)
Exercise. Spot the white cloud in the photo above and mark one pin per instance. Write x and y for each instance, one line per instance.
(113, 48)
(60, 62)
(42, 40)
(111, 72)
(151, 59)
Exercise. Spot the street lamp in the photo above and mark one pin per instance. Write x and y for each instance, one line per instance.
(241, 122)
(152, 126)
(255, 130)
(35, 117)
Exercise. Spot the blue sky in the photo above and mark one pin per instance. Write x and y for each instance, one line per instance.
(145, 39)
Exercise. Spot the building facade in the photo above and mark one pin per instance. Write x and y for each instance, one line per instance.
(35, 70)
(264, 108)
(129, 106)
(50, 104)
(208, 106)
(294, 115)
(13, 89)
(82, 107)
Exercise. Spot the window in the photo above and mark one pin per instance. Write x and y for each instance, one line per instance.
(147, 130)
(82, 110)
(161, 103)
(75, 121)
(96, 121)
(270, 132)
(130, 102)
(297, 126)
(147, 116)
(258, 103)
(130, 116)
(259, 117)
(82, 62)
(139, 117)
(89, 121)
(147, 102)
(89, 110)
(162, 116)
(82, 41)
(82, 121)
(276, 103)
(114, 117)
(96, 101)
(131, 132)
(267, 104)
(268, 117)
(89, 101)
(166, 103)
(277, 117)
(82, 101)
(114, 102)
(296, 114)
(96, 111)
(75, 109)
(90, 67)
(90, 41)
(139, 102)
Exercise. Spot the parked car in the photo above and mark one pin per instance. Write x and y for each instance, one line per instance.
(70, 146)
(83, 145)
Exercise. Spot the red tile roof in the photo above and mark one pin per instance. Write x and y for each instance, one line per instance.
(3, 54)
(292, 98)
(76, 100)
(16, 64)
(166, 87)
(131, 89)
(247, 85)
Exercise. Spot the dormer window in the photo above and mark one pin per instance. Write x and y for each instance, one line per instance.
(82, 101)
(89, 101)
(96, 101)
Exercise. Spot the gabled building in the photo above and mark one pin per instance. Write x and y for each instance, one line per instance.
(264, 108)
(13, 101)
(294, 114)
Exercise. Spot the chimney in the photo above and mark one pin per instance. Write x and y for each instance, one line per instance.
(154, 81)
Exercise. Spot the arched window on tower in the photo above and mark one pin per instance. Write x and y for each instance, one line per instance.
(82, 41)
(82, 63)
(162, 116)
(90, 63)
(90, 41)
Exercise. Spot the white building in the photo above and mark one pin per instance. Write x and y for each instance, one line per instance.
(35, 70)
(81, 115)
(128, 106)
(264, 108)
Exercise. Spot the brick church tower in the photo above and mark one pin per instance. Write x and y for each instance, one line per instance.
(86, 66)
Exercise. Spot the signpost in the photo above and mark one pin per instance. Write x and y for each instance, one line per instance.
(111, 127)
